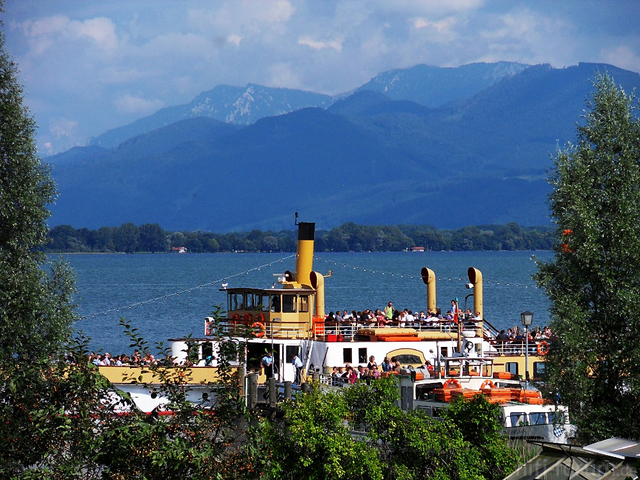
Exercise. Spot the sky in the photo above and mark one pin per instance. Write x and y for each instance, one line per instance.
(88, 66)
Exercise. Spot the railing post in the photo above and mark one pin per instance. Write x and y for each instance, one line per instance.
(287, 390)
(273, 394)
(252, 390)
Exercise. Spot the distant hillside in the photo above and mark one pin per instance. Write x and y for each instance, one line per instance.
(431, 86)
(367, 159)
(436, 86)
(237, 105)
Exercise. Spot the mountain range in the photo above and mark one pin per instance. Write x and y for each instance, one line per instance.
(446, 147)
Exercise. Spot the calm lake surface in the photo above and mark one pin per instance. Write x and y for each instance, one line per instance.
(169, 295)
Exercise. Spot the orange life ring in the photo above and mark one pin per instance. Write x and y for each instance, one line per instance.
(260, 328)
(542, 348)
(487, 383)
(260, 317)
(451, 383)
(235, 316)
(247, 316)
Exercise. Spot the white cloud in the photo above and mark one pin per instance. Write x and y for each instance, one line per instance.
(335, 44)
(235, 39)
(442, 27)
(622, 56)
(130, 104)
(44, 33)
(63, 127)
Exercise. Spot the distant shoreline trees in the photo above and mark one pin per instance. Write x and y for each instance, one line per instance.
(151, 238)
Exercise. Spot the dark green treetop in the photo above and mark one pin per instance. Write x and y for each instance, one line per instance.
(593, 281)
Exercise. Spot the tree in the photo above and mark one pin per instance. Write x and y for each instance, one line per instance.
(126, 238)
(35, 305)
(152, 238)
(593, 281)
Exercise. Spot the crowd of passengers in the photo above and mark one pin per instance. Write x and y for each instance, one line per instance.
(517, 335)
(407, 318)
(107, 360)
(390, 316)
(373, 371)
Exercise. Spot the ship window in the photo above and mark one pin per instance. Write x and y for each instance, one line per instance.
(288, 303)
(236, 301)
(275, 303)
(207, 350)
(538, 369)
(347, 356)
(291, 351)
(423, 391)
(250, 302)
(518, 419)
(263, 303)
(362, 355)
(511, 367)
(408, 359)
(443, 351)
(538, 418)
(304, 303)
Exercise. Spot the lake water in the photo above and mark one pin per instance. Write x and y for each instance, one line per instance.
(169, 295)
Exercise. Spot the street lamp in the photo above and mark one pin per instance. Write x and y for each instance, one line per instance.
(526, 318)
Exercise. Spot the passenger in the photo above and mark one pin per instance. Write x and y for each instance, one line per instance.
(362, 373)
(297, 368)
(336, 377)
(346, 316)
(388, 311)
(267, 364)
(372, 362)
(395, 364)
(409, 319)
(330, 317)
(386, 365)
(375, 372)
(338, 316)
(429, 367)
(352, 375)
(502, 336)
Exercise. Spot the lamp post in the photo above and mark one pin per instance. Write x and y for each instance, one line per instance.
(526, 318)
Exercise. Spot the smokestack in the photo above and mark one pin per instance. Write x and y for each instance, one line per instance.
(475, 277)
(429, 278)
(304, 261)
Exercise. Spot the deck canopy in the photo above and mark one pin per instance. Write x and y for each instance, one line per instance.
(612, 459)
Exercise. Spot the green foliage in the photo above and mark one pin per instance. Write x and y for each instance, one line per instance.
(360, 432)
(478, 421)
(35, 309)
(313, 441)
(594, 280)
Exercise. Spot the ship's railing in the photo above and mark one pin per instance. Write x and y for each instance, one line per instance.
(259, 329)
(517, 348)
(349, 330)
